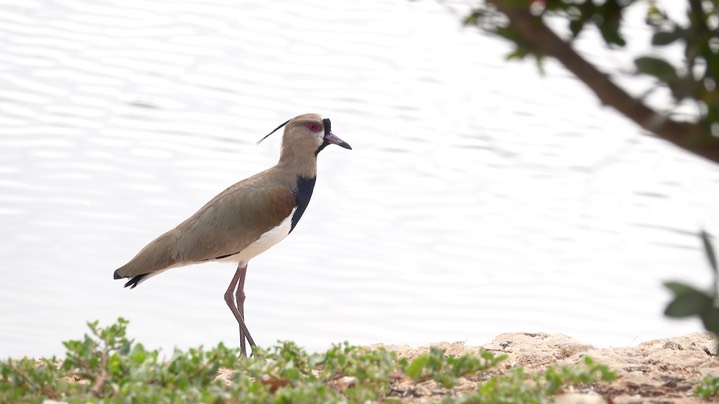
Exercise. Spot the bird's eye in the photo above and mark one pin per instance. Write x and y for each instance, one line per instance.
(313, 126)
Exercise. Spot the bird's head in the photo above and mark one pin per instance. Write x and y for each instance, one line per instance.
(306, 135)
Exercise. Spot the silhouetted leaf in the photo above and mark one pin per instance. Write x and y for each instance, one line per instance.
(663, 38)
(656, 67)
(710, 318)
(608, 17)
(473, 17)
(517, 54)
(575, 26)
(680, 289)
(581, 14)
(709, 250)
(688, 304)
(686, 87)
(612, 36)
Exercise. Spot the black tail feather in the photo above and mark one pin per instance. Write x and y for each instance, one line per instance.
(135, 280)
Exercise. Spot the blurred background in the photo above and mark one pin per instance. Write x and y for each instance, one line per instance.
(480, 197)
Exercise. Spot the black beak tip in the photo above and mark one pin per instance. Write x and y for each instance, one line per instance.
(345, 145)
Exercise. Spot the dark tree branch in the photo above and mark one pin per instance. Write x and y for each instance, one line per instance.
(693, 137)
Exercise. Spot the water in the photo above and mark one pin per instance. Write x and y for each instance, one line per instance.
(479, 198)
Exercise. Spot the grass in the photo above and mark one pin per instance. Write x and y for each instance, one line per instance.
(107, 366)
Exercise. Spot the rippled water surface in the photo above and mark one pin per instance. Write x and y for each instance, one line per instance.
(479, 198)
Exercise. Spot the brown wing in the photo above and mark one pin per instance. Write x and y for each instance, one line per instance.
(226, 225)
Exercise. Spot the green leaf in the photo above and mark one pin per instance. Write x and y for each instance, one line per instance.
(447, 381)
(656, 67)
(680, 289)
(575, 26)
(607, 17)
(710, 318)
(613, 37)
(709, 250)
(474, 17)
(688, 304)
(414, 370)
(291, 374)
(709, 387)
(655, 15)
(663, 38)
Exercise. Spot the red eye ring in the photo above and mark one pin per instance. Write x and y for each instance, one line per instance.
(313, 126)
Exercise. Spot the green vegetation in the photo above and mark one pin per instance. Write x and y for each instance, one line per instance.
(688, 80)
(689, 301)
(518, 387)
(709, 387)
(446, 370)
(107, 366)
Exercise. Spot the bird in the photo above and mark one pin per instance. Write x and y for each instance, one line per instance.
(245, 219)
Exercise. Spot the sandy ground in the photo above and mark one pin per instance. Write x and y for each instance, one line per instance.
(658, 371)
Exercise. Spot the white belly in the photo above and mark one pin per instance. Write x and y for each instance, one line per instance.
(267, 240)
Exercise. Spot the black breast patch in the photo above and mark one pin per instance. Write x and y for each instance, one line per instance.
(305, 186)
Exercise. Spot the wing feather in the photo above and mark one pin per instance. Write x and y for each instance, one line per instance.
(226, 225)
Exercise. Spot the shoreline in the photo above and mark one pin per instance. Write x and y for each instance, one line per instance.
(665, 370)
(662, 370)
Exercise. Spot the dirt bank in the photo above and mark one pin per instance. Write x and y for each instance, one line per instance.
(659, 371)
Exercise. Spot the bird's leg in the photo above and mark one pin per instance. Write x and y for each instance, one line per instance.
(240, 302)
(230, 297)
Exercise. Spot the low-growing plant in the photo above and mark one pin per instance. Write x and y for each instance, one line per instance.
(106, 366)
(556, 379)
(517, 386)
(446, 370)
(709, 387)
(372, 369)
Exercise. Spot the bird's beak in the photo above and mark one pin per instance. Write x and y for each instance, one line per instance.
(330, 138)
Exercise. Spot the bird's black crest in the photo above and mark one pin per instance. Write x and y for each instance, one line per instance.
(275, 130)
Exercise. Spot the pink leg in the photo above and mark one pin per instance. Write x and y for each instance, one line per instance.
(235, 298)
(240, 301)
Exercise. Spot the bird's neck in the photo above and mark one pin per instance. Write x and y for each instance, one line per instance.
(301, 165)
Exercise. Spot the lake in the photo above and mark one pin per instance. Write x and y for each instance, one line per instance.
(479, 197)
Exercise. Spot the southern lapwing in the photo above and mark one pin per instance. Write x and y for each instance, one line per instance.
(245, 219)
